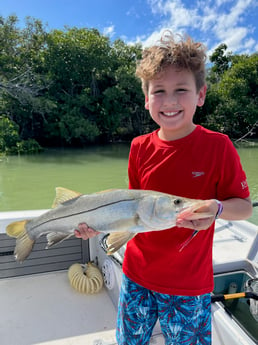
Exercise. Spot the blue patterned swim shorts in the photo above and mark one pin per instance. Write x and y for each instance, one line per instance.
(184, 320)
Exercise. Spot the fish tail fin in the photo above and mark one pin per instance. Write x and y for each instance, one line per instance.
(117, 239)
(24, 244)
(15, 229)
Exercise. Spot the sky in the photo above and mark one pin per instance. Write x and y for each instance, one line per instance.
(233, 22)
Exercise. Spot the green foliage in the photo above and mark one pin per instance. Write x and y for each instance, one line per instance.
(221, 62)
(27, 146)
(10, 142)
(74, 87)
(9, 135)
(73, 128)
(232, 103)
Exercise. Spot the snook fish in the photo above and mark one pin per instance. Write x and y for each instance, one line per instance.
(121, 212)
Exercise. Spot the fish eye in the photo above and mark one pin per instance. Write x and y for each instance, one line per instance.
(177, 201)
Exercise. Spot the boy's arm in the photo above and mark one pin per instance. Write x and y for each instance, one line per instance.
(233, 209)
(237, 209)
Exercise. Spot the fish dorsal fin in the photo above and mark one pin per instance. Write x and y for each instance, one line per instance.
(64, 194)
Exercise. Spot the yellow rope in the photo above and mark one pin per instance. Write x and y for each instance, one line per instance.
(85, 278)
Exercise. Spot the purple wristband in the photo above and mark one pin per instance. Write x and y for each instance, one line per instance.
(220, 208)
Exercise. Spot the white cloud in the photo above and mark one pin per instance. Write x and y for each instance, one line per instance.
(153, 38)
(109, 31)
(249, 43)
(208, 18)
(178, 16)
(235, 37)
(232, 19)
(220, 21)
(249, 46)
(229, 27)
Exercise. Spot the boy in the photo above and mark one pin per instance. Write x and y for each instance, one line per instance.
(160, 281)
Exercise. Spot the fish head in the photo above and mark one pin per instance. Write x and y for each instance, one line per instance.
(167, 207)
(191, 209)
(180, 204)
(159, 210)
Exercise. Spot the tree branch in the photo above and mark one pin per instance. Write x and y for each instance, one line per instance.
(250, 132)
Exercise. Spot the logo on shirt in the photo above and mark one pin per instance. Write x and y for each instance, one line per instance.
(244, 184)
(197, 173)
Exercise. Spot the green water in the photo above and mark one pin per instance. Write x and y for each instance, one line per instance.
(28, 182)
(249, 159)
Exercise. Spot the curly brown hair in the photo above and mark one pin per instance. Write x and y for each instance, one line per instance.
(183, 54)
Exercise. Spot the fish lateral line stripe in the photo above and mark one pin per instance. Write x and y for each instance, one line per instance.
(74, 214)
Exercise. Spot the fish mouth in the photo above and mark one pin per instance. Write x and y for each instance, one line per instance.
(189, 212)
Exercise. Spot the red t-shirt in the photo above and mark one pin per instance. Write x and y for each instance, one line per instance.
(203, 165)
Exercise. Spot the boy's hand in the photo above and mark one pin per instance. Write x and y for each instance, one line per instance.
(85, 232)
(208, 206)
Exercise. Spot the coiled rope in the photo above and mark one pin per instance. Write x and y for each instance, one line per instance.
(85, 278)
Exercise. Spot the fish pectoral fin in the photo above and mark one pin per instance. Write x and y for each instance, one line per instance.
(117, 239)
(56, 237)
(64, 194)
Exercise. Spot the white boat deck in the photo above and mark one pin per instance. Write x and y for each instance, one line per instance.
(45, 309)
(235, 247)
